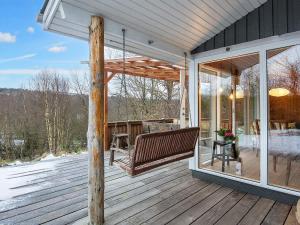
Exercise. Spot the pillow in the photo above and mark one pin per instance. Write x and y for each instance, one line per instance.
(292, 125)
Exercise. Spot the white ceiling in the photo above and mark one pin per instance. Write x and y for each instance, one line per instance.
(174, 26)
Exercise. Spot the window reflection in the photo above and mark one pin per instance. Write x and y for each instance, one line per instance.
(229, 100)
(284, 116)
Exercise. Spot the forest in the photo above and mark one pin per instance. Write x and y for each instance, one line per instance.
(50, 115)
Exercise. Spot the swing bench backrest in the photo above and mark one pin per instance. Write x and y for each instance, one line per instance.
(156, 149)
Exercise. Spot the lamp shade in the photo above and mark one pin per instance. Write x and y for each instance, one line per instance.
(238, 94)
(279, 92)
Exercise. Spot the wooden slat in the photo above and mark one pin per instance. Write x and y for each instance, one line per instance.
(253, 25)
(183, 206)
(277, 215)
(230, 35)
(165, 195)
(258, 212)
(215, 213)
(233, 216)
(291, 219)
(293, 15)
(144, 216)
(199, 209)
(135, 208)
(123, 197)
(280, 17)
(266, 20)
(241, 30)
(220, 40)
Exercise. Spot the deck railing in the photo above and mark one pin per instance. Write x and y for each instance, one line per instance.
(134, 128)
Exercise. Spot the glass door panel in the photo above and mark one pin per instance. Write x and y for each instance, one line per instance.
(229, 100)
(283, 66)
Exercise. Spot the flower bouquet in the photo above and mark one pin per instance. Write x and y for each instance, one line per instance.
(229, 137)
(226, 134)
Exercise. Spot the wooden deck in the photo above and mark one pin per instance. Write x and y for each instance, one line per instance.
(168, 195)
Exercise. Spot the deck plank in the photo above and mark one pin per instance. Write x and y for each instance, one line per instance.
(160, 207)
(215, 213)
(233, 216)
(259, 211)
(168, 194)
(164, 193)
(277, 214)
(199, 209)
(291, 219)
(184, 205)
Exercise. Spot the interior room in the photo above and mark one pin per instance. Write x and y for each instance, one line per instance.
(229, 99)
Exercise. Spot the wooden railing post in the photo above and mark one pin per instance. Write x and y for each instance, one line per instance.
(96, 123)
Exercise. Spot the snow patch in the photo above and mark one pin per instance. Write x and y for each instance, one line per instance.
(15, 163)
(50, 156)
(16, 180)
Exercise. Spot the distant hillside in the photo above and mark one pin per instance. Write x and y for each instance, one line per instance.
(10, 90)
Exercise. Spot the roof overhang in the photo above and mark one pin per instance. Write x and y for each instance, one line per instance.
(71, 20)
(159, 29)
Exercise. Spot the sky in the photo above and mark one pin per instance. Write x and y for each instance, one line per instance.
(26, 49)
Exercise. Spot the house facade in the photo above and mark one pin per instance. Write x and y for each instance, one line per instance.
(246, 79)
(244, 75)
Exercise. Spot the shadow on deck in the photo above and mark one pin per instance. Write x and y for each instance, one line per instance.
(168, 194)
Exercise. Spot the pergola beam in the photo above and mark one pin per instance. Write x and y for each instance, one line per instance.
(144, 67)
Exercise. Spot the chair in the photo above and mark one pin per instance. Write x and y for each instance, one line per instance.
(277, 125)
(119, 138)
(256, 131)
(156, 149)
(224, 156)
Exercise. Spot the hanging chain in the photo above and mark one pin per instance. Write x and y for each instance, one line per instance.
(124, 72)
(186, 89)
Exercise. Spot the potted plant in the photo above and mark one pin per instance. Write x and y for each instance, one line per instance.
(228, 136)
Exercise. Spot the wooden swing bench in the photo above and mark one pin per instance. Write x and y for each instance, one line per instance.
(157, 149)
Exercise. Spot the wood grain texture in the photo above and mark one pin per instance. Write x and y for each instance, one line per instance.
(168, 194)
(277, 214)
(96, 123)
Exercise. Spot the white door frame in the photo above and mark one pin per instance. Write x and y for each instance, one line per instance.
(260, 47)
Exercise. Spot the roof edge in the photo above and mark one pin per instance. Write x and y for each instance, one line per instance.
(42, 11)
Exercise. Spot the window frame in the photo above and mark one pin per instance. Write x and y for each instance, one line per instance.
(258, 46)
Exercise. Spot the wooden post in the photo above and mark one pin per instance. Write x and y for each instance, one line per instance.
(183, 94)
(96, 123)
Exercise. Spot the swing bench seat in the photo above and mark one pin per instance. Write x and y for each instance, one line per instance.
(157, 149)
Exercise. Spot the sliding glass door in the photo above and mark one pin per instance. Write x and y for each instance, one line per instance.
(229, 101)
(283, 66)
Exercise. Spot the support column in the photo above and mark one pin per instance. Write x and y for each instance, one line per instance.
(96, 123)
(183, 94)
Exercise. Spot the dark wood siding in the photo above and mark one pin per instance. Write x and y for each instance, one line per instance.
(253, 25)
(275, 17)
(293, 15)
(266, 20)
(230, 35)
(219, 40)
(241, 30)
(280, 16)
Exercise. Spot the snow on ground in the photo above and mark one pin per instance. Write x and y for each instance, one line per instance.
(13, 179)
(51, 156)
(19, 179)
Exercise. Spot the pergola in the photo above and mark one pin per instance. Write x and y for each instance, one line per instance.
(143, 67)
